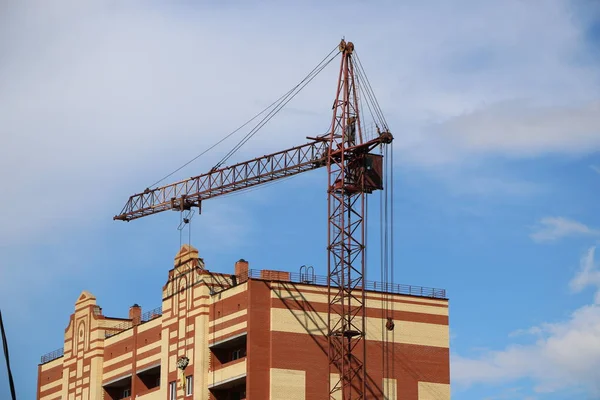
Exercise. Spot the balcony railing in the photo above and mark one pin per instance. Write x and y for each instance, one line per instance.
(53, 355)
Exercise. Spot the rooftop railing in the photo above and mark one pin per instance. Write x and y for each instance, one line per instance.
(312, 279)
(225, 281)
(152, 314)
(128, 324)
(53, 355)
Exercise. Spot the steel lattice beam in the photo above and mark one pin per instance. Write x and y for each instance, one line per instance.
(190, 192)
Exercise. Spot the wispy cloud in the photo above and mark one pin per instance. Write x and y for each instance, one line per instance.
(550, 229)
(565, 356)
(595, 168)
(588, 274)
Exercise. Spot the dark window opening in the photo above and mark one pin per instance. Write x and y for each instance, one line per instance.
(228, 351)
(149, 379)
(237, 392)
(118, 390)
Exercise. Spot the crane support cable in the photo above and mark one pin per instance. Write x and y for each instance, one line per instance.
(362, 72)
(371, 94)
(372, 103)
(281, 103)
(275, 104)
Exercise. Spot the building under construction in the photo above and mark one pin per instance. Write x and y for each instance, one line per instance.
(273, 334)
(252, 334)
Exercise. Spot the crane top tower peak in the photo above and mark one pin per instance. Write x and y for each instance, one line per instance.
(346, 47)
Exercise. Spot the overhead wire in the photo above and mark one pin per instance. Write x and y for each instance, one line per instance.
(11, 382)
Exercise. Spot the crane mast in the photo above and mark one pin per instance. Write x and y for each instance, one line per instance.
(353, 172)
(346, 236)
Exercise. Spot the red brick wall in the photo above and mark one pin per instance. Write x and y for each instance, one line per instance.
(259, 340)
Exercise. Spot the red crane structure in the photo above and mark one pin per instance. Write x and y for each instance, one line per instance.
(354, 171)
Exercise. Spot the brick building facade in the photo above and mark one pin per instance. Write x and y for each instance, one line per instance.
(251, 334)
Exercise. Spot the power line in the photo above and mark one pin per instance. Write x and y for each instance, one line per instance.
(6, 356)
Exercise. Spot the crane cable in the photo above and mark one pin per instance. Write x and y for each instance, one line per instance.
(282, 103)
(6, 356)
(386, 216)
(370, 94)
(384, 237)
(391, 250)
(270, 106)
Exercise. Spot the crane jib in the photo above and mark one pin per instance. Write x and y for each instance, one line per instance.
(189, 193)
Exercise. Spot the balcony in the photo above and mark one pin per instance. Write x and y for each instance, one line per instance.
(153, 394)
(230, 375)
(148, 382)
(119, 389)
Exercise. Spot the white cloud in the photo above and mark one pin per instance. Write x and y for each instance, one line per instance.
(519, 129)
(99, 98)
(550, 229)
(565, 355)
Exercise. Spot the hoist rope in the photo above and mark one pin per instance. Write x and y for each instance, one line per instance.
(275, 104)
(186, 221)
(391, 250)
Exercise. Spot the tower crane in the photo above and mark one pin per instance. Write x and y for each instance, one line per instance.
(354, 170)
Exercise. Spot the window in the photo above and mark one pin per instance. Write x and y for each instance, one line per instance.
(126, 393)
(239, 353)
(172, 390)
(189, 385)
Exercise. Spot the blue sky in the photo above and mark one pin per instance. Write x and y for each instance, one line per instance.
(495, 108)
